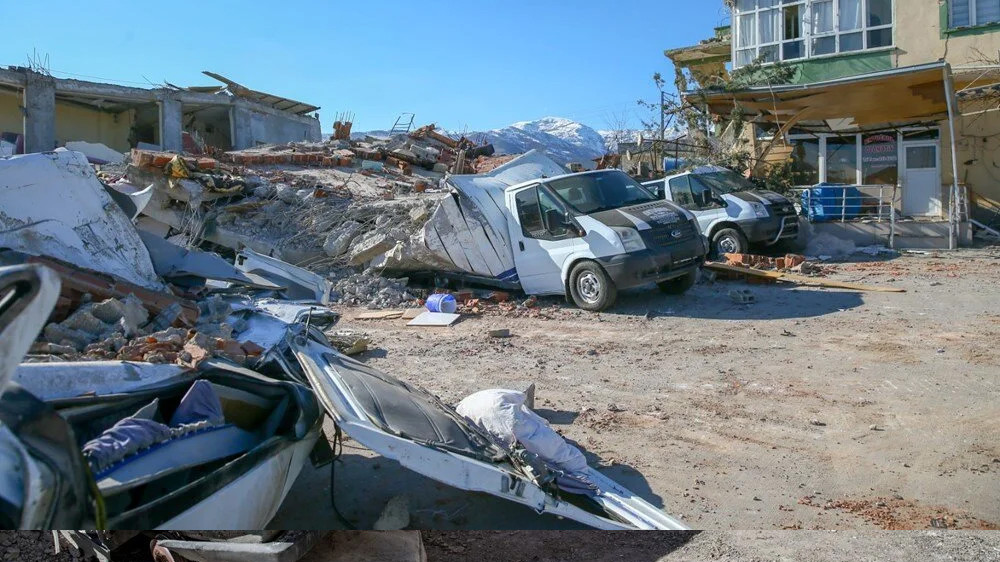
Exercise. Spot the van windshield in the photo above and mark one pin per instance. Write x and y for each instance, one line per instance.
(604, 191)
(724, 182)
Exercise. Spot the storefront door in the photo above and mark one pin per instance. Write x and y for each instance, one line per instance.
(921, 179)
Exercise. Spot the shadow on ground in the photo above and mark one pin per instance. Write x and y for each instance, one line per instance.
(712, 302)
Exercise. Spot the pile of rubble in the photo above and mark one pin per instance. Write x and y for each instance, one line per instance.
(790, 262)
(345, 209)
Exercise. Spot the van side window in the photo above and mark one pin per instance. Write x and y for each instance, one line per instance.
(702, 194)
(549, 210)
(680, 192)
(530, 214)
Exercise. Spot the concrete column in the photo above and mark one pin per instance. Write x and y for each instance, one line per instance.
(39, 112)
(171, 124)
(242, 127)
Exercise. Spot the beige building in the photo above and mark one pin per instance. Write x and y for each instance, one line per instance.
(869, 101)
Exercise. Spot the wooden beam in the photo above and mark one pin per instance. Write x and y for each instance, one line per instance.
(800, 279)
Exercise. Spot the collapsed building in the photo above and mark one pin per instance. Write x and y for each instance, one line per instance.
(39, 112)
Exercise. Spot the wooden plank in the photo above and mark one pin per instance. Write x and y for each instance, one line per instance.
(380, 315)
(801, 279)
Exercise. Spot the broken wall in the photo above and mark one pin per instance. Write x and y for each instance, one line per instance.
(252, 127)
(74, 122)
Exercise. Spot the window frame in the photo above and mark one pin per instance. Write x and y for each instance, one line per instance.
(752, 52)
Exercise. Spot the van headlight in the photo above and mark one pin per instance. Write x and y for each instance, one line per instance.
(631, 240)
(760, 210)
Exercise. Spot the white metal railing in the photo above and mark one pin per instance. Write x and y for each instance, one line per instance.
(850, 203)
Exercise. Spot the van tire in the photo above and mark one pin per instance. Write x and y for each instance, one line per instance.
(729, 241)
(679, 285)
(591, 287)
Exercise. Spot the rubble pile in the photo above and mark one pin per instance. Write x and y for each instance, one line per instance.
(123, 329)
(342, 208)
(790, 262)
(374, 291)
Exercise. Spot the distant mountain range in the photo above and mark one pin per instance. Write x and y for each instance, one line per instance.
(564, 140)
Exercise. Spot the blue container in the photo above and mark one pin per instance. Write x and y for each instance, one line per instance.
(442, 302)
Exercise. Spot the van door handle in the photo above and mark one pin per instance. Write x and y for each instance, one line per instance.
(520, 244)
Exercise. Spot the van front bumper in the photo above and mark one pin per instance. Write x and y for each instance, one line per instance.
(657, 264)
(772, 229)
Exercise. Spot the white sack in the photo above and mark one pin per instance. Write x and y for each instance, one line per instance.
(504, 415)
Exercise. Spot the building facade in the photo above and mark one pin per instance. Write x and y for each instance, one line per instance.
(828, 40)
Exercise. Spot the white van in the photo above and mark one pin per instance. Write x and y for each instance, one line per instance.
(732, 212)
(533, 227)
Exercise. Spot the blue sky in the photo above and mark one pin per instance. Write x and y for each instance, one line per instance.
(478, 64)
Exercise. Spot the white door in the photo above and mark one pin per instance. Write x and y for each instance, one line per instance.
(541, 243)
(921, 180)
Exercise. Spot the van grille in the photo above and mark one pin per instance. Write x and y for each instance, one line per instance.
(663, 235)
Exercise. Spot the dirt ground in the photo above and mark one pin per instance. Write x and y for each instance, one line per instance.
(811, 409)
(738, 546)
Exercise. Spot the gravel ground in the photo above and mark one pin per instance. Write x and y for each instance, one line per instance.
(811, 409)
(33, 546)
(737, 546)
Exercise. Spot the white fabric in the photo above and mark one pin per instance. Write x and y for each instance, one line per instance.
(503, 414)
(770, 26)
(822, 17)
(746, 36)
(850, 15)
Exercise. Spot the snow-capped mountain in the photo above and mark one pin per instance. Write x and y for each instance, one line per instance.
(564, 140)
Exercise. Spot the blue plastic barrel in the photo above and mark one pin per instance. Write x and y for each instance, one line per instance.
(442, 302)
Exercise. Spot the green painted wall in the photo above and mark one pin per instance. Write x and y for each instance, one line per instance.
(831, 68)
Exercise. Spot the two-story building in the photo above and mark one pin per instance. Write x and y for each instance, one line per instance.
(877, 86)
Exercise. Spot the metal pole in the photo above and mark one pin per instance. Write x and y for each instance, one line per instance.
(949, 87)
(663, 126)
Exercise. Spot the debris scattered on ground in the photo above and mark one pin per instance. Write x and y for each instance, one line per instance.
(742, 296)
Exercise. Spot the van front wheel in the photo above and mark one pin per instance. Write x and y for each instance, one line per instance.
(591, 287)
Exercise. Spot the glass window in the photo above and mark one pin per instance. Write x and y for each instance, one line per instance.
(879, 12)
(680, 192)
(842, 160)
(880, 38)
(850, 15)
(770, 26)
(745, 5)
(825, 46)
(601, 191)
(747, 36)
(805, 161)
(852, 42)
(822, 17)
(987, 11)
(960, 15)
(879, 159)
(793, 22)
(921, 157)
(551, 209)
(723, 182)
(529, 213)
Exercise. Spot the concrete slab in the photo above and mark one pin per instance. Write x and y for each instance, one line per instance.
(368, 546)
